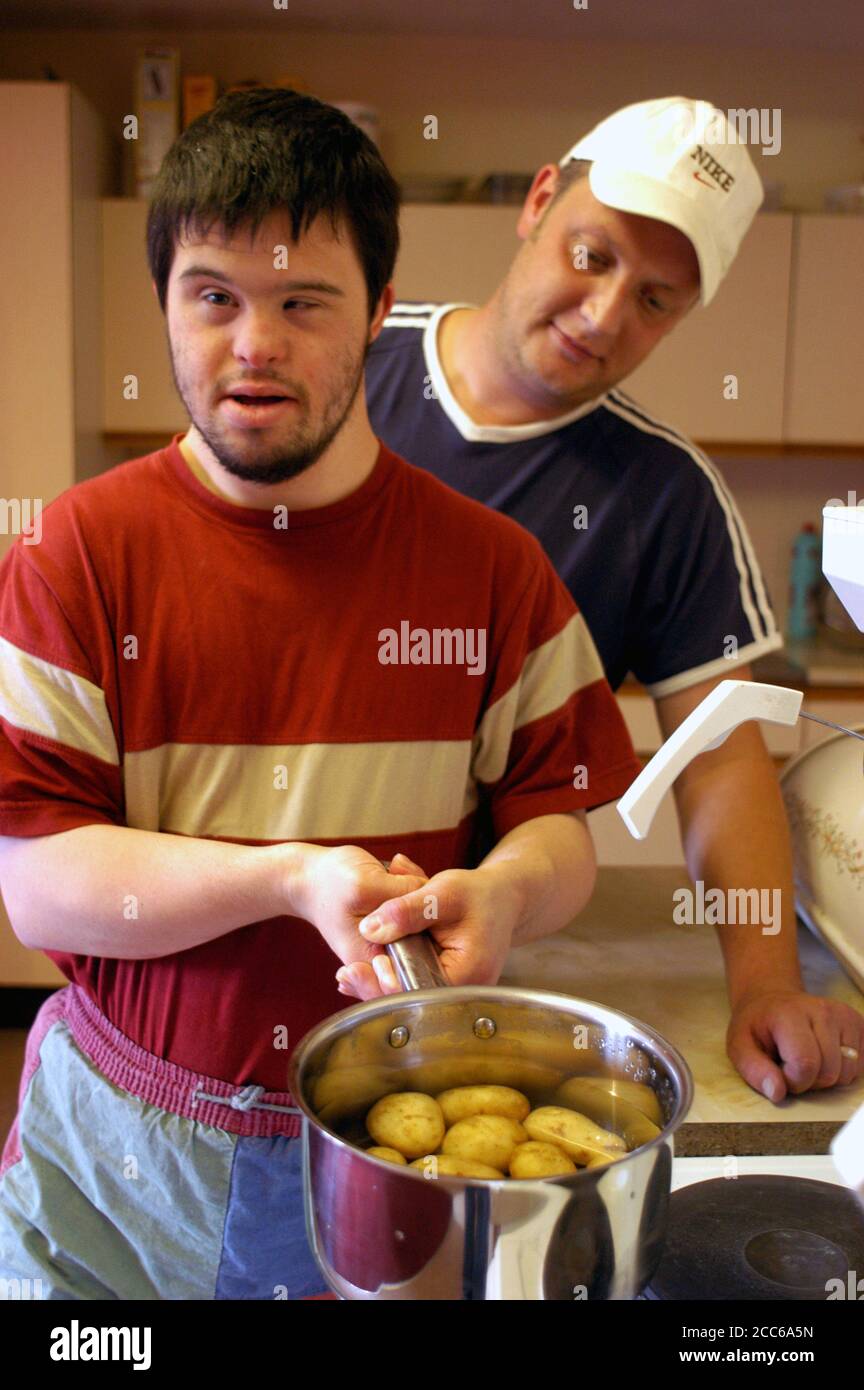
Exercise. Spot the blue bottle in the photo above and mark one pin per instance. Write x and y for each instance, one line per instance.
(805, 584)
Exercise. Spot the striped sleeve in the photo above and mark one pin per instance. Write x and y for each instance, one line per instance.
(59, 753)
(552, 738)
(700, 605)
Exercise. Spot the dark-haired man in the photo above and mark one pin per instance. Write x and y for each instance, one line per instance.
(515, 403)
(237, 675)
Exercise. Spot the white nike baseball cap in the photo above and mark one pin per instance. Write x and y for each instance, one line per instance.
(679, 161)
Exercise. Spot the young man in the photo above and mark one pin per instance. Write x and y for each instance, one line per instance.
(237, 675)
(514, 403)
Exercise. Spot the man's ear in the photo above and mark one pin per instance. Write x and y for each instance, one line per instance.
(385, 304)
(537, 200)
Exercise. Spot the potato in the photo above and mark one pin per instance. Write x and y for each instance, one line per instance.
(611, 1111)
(574, 1133)
(536, 1160)
(389, 1155)
(446, 1166)
(601, 1160)
(462, 1102)
(407, 1121)
(488, 1139)
(633, 1092)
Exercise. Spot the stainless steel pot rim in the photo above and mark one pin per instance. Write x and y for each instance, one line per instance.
(641, 1032)
(613, 1018)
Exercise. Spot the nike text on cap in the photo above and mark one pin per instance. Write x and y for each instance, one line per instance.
(679, 161)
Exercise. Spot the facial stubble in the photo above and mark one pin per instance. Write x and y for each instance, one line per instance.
(278, 463)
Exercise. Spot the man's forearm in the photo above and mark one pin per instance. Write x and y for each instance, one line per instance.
(130, 894)
(736, 837)
(547, 868)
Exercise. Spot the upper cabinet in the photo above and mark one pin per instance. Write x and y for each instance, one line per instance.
(825, 402)
(55, 168)
(722, 376)
(448, 252)
(140, 397)
(719, 375)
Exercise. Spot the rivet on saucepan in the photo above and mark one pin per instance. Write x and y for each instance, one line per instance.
(484, 1028)
(399, 1036)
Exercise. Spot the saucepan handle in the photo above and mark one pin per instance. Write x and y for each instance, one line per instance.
(416, 963)
(415, 960)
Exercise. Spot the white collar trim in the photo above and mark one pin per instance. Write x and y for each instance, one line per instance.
(468, 428)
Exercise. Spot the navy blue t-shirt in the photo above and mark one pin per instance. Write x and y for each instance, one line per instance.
(638, 523)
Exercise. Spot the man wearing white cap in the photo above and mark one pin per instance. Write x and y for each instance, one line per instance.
(514, 403)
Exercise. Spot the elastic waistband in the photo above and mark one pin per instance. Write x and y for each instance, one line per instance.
(246, 1110)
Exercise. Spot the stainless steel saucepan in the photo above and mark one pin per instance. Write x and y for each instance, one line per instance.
(384, 1231)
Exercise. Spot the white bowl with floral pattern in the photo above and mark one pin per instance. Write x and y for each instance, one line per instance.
(823, 788)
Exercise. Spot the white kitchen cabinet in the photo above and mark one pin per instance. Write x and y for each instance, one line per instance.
(54, 169)
(447, 253)
(21, 967)
(719, 376)
(825, 402)
(461, 252)
(54, 166)
(138, 393)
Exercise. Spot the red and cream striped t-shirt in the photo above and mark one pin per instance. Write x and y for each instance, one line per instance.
(400, 670)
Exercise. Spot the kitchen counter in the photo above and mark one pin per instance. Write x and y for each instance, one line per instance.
(810, 666)
(625, 951)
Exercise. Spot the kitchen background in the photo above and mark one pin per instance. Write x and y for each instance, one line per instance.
(511, 87)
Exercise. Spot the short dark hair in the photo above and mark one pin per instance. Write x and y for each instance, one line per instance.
(570, 173)
(274, 150)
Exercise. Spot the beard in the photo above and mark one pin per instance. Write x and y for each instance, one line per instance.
(280, 461)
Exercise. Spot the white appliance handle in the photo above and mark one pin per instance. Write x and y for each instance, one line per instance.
(729, 704)
(847, 1150)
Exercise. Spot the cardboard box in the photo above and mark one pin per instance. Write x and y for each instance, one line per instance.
(157, 107)
(200, 95)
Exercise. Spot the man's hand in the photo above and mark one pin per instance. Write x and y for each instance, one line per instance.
(733, 821)
(465, 911)
(343, 885)
(787, 1041)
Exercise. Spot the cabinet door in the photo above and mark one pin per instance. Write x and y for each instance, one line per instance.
(719, 375)
(825, 403)
(448, 252)
(461, 253)
(454, 252)
(36, 422)
(21, 966)
(139, 394)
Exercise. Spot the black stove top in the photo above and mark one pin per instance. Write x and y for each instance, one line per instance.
(759, 1237)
